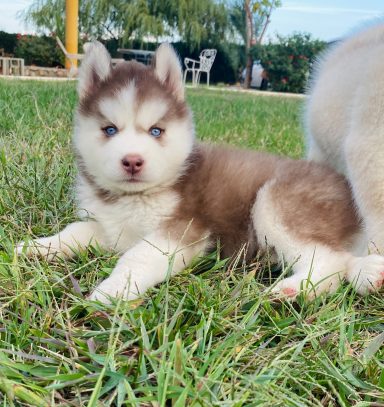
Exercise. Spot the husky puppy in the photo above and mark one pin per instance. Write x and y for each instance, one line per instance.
(345, 122)
(149, 191)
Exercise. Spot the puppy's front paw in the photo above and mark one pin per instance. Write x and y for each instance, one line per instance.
(49, 248)
(21, 248)
(112, 288)
(44, 247)
(367, 273)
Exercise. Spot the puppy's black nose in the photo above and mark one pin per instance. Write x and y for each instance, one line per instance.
(132, 163)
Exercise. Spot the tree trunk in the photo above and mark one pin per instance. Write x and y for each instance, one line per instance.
(248, 72)
(248, 43)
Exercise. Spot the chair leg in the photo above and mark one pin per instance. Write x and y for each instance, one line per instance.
(192, 78)
(197, 78)
(73, 70)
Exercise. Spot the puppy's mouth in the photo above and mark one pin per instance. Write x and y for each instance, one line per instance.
(129, 179)
(132, 179)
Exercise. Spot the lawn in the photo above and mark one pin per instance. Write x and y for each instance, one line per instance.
(211, 336)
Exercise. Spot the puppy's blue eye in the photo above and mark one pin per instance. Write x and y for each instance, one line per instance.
(155, 131)
(110, 131)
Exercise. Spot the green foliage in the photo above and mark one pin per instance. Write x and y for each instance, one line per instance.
(237, 19)
(40, 51)
(195, 21)
(47, 15)
(260, 13)
(261, 10)
(8, 42)
(288, 61)
(36, 50)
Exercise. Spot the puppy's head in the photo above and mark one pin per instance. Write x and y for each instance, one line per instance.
(133, 129)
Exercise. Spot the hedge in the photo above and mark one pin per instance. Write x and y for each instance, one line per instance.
(36, 50)
(288, 61)
(225, 68)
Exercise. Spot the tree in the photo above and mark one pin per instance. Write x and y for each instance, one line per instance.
(256, 16)
(193, 20)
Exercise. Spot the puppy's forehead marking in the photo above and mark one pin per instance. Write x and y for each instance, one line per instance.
(151, 111)
(119, 109)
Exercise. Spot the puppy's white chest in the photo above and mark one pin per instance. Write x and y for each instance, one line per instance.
(131, 218)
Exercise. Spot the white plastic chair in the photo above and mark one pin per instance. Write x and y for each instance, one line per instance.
(78, 57)
(71, 57)
(206, 59)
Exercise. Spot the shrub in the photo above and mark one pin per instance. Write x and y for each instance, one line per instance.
(8, 42)
(41, 51)
(288, 61)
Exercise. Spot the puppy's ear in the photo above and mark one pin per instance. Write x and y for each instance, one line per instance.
(95, 67)
(168, 69)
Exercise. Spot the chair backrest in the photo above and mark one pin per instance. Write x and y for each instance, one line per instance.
(68, 54)
(61, 45)
(207, 57)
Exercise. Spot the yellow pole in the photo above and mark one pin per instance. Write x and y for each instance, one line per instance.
(71, 28)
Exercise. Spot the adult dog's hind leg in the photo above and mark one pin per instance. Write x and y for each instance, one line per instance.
(365, 165)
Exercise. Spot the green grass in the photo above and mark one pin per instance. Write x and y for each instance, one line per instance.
(211, 336)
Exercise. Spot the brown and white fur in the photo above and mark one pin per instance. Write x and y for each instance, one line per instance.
(162, 201)
(345, 122)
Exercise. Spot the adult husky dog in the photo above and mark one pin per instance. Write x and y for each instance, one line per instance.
(345, 122)
(148, 190)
